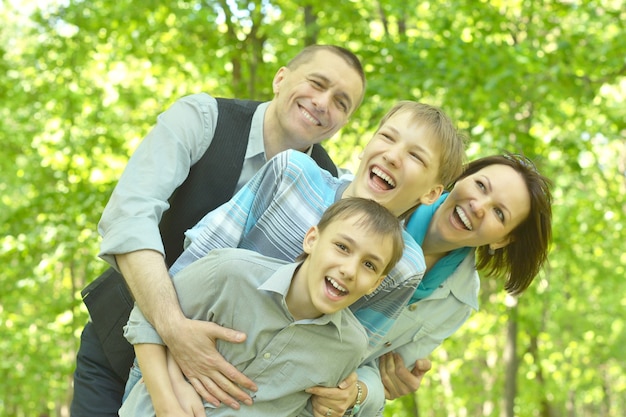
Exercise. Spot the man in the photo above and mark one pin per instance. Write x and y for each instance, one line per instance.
(199, 153)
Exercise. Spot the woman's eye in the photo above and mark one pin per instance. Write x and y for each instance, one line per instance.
(500, 214)
(480, 185)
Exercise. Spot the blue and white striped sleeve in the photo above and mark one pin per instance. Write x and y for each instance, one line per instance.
(225, 226)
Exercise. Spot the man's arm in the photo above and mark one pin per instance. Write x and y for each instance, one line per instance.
(159, 165)
(150, 284)
(225, 226)
(132, 242)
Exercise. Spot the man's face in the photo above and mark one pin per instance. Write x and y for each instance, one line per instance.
(399, 166)
(315, 99)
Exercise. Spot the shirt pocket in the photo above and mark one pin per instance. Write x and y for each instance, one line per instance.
(307, 376)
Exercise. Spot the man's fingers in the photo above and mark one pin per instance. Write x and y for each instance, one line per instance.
(216, 395)
(232, 374)
(223, 333)
(226, 391)
(211, 375)
(222, 373)
(216, 388)
(204, 393)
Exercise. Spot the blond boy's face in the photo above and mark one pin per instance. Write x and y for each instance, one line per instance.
(345, 263)
(399, 166)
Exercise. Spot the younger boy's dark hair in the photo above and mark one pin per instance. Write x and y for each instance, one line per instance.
(375, 218)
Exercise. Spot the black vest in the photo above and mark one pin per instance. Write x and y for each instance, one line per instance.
(210, 183)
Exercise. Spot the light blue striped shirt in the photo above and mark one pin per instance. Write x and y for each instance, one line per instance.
(271, 215)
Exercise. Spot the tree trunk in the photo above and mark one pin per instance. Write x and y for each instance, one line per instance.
(310, 25)
(510, 360)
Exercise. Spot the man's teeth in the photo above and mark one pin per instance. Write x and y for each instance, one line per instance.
(384, 176)
(336, 285)
(308, 116)
(464, 218)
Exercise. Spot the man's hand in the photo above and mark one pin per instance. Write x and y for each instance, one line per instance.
(192, 343)
(193, 348)
(335, 401)
(397, 379)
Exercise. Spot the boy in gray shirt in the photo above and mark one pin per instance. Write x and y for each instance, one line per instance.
(300, 332)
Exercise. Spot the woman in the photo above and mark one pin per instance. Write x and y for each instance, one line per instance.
(495, 219)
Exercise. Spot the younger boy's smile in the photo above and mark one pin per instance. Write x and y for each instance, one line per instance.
(335, 289)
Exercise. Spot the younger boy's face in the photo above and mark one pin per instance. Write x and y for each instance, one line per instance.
(345, 262)
(399, 166)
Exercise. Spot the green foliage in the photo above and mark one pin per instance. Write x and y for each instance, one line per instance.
(82, 82)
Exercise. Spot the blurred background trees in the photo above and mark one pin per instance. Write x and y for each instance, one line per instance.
(82, 82)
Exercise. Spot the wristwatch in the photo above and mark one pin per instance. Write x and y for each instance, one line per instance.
(359, 398)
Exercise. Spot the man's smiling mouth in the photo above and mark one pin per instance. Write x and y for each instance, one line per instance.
(307, 115)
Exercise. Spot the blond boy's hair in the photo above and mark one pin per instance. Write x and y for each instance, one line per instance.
(452, 156)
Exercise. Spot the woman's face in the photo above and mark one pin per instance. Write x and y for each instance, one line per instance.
(484, 208)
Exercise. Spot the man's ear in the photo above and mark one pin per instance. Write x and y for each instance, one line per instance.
(371, 290)
(432, 195)
(278, 79)
(310, 239)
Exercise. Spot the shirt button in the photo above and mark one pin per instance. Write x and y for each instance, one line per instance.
(412, 307)
(267, 355)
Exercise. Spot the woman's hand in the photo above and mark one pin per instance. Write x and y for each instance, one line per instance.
(335, 401)
(397, 379)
